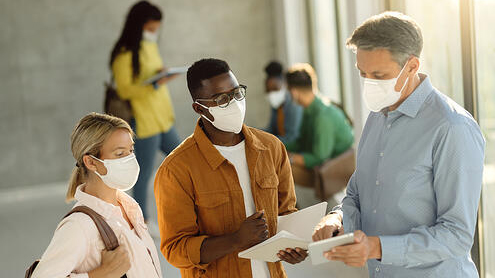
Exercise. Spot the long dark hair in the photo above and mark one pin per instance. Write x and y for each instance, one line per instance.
(130, 39)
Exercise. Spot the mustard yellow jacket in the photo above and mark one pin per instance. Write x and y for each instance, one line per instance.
(152, 109)
(198, 195)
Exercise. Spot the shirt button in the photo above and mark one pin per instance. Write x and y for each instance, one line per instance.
(381, 154)
(389, 126)
(374, 211)
(377, 269)
(377, 183)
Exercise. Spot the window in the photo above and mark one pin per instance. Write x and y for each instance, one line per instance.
(441, 57)
(485, 67)
(324, 49)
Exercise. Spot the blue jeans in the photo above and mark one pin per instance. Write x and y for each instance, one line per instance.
(145, 153)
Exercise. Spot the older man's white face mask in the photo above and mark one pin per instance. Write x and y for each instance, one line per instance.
(379, 94)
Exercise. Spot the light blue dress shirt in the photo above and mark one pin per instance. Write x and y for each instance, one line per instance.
(417, 186)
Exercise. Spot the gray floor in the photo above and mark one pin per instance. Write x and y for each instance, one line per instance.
(29, 216)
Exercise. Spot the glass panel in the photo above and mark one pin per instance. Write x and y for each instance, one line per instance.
(485, 66)
(441, 58)
(325, 50)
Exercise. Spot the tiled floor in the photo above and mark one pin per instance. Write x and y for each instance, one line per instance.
(29, 216)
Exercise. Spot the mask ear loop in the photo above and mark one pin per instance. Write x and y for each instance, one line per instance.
(97, 158)
(102, 161)
(400, 73)
(207, 108)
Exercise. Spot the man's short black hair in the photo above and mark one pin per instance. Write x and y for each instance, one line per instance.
(202, 70)
(274, 69)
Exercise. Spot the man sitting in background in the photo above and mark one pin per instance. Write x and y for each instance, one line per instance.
(325, 130)
(286, 115)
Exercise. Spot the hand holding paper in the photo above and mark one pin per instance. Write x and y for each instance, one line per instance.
(293, 256)
(253, 230)
(294, 232)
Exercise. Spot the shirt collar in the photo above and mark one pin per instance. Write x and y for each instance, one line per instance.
(415, 101)
(212, 155)
(108, 210)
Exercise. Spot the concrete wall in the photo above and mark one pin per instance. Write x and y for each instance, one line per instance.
(54, 56)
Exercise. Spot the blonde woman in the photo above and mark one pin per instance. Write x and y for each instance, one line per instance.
(105, 167)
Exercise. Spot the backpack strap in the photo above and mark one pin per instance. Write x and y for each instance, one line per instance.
(107, 235)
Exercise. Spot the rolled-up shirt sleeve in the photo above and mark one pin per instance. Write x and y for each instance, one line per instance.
(457, 171)
(64, 254)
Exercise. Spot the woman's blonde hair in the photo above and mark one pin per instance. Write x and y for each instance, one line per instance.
(87, 138)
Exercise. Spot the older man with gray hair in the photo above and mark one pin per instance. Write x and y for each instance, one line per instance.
(412, 202)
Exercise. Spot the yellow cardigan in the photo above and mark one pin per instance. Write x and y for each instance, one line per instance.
(152, 109)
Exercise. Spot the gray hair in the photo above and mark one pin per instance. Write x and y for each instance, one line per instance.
(392, 31)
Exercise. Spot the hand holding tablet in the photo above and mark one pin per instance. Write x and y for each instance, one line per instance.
(316, 249)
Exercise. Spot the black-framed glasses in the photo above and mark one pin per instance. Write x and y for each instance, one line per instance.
(223, 100)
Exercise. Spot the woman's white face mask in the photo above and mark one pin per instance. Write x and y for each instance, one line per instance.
(150, 36)
(276, 98)
(379, 94)
(122, 173)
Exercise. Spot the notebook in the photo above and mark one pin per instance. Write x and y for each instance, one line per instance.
(294, 231)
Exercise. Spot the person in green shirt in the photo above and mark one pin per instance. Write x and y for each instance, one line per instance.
(325, 132)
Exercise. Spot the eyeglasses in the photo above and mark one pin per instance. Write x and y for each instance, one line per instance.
(224, 99)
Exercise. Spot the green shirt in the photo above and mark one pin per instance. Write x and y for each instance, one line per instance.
(325, 133)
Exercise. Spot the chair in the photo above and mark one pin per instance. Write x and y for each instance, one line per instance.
(333, 175)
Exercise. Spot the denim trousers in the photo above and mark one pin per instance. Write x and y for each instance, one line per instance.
(146, 150)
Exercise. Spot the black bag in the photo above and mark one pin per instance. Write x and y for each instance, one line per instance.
(107, 235)
(114, 105)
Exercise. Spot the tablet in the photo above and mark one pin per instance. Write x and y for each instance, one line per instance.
(316, 249)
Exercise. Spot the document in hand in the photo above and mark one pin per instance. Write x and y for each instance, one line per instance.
(160, 75)
(294, 230)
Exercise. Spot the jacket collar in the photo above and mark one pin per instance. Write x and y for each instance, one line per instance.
(212, 155)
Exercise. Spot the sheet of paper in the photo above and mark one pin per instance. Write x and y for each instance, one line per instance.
(303, 222)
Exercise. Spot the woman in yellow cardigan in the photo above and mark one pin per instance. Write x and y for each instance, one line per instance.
(134, 59)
